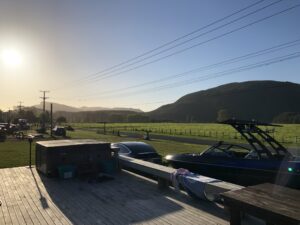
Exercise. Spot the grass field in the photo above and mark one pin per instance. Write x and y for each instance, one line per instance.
(16, 152)
(162, 146)
(287, 133)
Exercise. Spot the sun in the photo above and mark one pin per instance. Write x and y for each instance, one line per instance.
(11, 57)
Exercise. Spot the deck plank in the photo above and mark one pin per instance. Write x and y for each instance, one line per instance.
(10, 217)
(6, 217)
(2, 221)
(19, 201)
(27, 191)
(12, 204)
(25, 204)
(46, 209)
(31, 198)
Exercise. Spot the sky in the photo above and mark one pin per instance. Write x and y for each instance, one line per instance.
(86, 52)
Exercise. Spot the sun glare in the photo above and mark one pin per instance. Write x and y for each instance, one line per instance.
(11, 57)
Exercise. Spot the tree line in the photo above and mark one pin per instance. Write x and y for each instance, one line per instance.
(36, 116)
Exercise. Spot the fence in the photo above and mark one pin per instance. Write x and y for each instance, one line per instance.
(199, 133)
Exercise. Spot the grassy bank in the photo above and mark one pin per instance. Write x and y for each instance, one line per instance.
(15, 153)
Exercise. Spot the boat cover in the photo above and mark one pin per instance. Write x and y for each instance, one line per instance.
(193, 184)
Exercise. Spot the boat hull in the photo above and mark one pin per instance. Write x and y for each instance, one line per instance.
(240, 175)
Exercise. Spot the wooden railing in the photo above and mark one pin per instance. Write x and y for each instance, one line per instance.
(163, 175)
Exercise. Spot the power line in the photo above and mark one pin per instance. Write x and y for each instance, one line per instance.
(237, 70)
(214, 38)
(181, 43)
(232, 71)
(201, 43)
(173, 41)
(182, 37)
(209, 67)
(191, 39)
(215, 75)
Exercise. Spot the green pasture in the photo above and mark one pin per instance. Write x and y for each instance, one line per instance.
(162, 146)
(15, 153)
(288, 134)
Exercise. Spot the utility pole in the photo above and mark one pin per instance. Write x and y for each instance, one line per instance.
(44, 109)
(44, 99)
(20, 106)
(51, 116)
(8, 119)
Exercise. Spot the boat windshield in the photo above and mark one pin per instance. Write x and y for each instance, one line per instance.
(227, 150)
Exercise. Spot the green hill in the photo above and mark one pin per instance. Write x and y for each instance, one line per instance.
(260, 100)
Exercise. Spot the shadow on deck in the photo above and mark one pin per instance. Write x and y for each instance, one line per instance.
(30, 198)
(124, 200)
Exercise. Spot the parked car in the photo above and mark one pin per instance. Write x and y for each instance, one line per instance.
(59, 131)
(263, 160)
(23, 124)
(138, 150)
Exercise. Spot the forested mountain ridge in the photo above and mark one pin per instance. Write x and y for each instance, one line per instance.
(260, 100)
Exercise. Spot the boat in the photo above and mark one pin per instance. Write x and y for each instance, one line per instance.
(262, 160)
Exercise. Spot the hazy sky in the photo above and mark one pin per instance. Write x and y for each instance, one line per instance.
(60, 45)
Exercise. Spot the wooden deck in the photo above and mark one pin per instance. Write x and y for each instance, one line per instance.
(30, 198)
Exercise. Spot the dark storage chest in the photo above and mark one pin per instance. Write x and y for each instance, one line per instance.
(50, 155)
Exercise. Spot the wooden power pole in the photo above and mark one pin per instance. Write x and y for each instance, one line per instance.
(44, 109)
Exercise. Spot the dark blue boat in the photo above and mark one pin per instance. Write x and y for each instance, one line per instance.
(263, 160)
